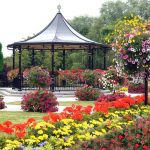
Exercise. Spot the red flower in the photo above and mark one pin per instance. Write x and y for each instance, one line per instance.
(77, 116)
(54, 117)
(138, 136)
(31, 120)
(20, 134)
(136, 145)
(7, 123)
(20, 127)
(145, 147)
(8, 130)
(120, 137)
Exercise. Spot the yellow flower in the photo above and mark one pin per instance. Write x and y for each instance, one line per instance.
(41, 138)
(103, 130)
(45, 136)
(40, 132)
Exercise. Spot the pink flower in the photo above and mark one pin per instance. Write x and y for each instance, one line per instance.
(125, 57)
(126, 133)
(138, 136)
(120, 137)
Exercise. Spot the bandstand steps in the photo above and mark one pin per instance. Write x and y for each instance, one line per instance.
(15, 92)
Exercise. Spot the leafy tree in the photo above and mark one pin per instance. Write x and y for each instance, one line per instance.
(82, 24)
(1, 58)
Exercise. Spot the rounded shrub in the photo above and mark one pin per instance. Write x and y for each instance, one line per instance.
(111, 97)
(39, 77)
(2, 103)
(39, 101)
(136, 88)
(87, 93)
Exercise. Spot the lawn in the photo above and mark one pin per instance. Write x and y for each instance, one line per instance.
(66, 103)
(19, 117)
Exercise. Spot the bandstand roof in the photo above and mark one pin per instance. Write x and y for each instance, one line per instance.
(60, 34)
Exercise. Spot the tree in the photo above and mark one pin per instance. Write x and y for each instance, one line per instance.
(1, 58)
(82, 24)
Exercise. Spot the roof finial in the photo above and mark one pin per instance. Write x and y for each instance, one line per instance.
(59, 7)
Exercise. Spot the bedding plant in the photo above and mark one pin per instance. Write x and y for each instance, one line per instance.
(38, 77)
(77, 124)
(39, 101)
(87, 93)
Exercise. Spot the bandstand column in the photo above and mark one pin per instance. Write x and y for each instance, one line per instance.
(33, 60)
(52, 75)
(20, 75)
(13, 57)
(89, 57)
(92, 65)
(104, 59)
(64, 63)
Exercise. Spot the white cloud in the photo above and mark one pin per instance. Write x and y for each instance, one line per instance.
(22, 18)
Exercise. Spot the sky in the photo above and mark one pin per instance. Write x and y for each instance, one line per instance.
(22, 18)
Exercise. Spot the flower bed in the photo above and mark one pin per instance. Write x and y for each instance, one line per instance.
(74, 124)
(133, 137)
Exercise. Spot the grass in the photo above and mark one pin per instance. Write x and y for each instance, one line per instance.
(19, 117)
(69, 103)
(66, 103)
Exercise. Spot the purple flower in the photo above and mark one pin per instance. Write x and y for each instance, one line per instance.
(133, 62)
(22, 147)
(144, 61)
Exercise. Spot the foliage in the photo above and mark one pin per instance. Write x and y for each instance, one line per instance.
(87, 93)
(82, 24)
(136, 88)
(71, 76)
(111, 97)
(1, 58)
(92, 77)
(111, 79)
(134, 137)
(38, 77)
(74, 124)
(131, 44)
(2, 103)
(39, 101)
(12, 74)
